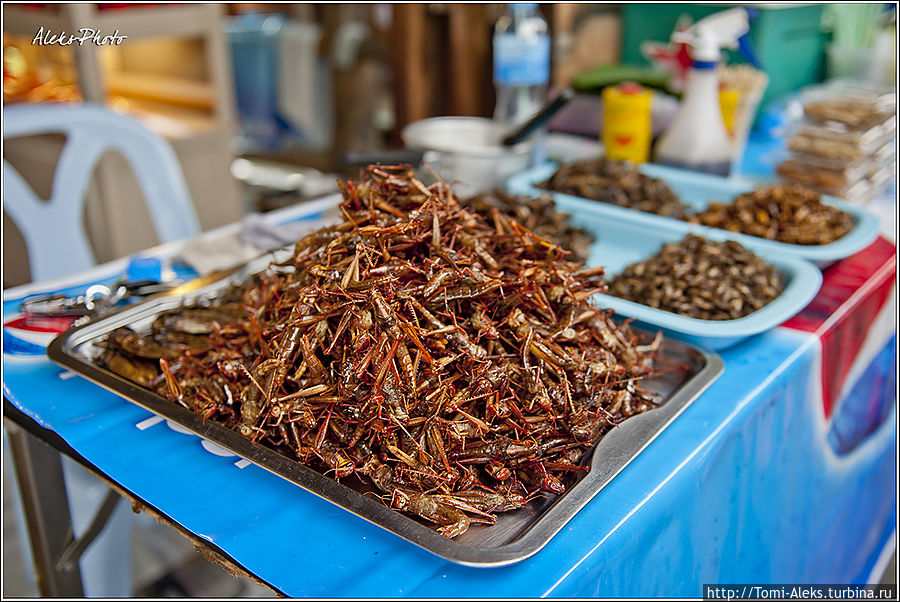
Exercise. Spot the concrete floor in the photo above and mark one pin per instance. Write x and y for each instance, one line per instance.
(890, 573)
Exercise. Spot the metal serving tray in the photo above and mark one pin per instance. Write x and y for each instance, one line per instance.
(515, 536)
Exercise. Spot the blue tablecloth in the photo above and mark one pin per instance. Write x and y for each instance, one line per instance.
(758, 480)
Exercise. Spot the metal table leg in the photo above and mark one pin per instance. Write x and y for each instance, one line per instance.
(46, 508)
(26, 452)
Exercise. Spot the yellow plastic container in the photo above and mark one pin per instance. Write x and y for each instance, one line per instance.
(626, 122)
(728, 102)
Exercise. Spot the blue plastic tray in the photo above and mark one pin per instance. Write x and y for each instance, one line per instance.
(697, 191)
(638, 236)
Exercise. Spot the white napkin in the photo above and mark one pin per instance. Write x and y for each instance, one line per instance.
(257, 236)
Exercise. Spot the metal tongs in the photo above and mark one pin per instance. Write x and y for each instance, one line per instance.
(97, 300)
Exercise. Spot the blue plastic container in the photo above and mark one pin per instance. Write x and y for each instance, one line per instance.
(698, 191)
(253, 40)
(621, 242)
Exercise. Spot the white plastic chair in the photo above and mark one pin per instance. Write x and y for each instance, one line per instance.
(53, 231)
(57, 245)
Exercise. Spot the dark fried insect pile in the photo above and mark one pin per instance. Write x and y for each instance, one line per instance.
(701, 278)
(455, 364)
(538, 214)
(789, 214)
(618, 183)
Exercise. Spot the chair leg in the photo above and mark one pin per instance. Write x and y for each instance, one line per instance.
(44, 503)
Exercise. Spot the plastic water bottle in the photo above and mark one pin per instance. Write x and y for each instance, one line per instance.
(521, 63)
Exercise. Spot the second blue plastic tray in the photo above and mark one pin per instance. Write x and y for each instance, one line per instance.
(620, 242)
(698, 190)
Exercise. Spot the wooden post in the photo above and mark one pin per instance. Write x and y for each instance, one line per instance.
(469, 60)
(218, 64)
(90, 76)
(409, 61)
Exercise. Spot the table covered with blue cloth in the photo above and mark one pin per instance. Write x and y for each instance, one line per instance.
(782, 471)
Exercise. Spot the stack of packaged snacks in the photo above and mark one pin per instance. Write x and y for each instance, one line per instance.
(845, 144)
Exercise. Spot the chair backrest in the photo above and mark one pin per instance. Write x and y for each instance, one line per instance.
(53, 231)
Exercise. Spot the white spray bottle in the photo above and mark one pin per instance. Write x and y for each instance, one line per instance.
(697, 139)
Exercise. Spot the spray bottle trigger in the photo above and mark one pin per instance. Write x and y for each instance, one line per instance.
(746, 48)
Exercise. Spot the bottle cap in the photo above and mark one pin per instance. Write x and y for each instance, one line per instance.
(630, 88)
(144, 268)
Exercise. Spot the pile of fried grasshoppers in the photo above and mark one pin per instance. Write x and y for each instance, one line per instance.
(452, 360)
